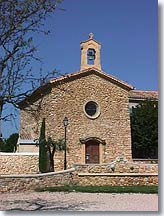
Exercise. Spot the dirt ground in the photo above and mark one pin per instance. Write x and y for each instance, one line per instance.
(63, 201)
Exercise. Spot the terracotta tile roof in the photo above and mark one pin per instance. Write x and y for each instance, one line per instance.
(137, 94)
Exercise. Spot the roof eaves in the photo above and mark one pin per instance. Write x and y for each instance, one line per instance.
(38, 93)
(139, 94)
(95, 70)
(120, 81)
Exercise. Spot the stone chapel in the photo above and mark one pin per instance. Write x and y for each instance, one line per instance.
(96, 105)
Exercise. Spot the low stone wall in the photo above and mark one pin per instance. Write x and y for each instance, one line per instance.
(28, 163)
(146, 161)
(19, 163)
(115, 179)
(117, 173)
(118, 166)
(17, 183)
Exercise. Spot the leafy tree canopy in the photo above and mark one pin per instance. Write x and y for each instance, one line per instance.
(144, 128)
(19, 20)
(10, 144)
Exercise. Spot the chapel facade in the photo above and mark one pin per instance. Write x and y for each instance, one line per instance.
(96, 105)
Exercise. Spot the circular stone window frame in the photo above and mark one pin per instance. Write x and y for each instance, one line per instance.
(96, 115)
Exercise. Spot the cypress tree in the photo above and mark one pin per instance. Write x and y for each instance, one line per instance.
(42, 149)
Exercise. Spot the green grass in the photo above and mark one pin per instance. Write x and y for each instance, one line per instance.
(102, 189)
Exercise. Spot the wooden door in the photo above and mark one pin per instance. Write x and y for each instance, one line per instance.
(92, 152)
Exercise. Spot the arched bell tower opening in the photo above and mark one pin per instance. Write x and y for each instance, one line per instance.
(90, 54)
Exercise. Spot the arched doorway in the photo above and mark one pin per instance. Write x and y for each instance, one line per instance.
(92, 152)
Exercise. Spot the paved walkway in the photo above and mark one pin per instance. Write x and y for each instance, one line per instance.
(62, 201)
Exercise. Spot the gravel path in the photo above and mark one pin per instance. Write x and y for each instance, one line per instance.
(63, 201)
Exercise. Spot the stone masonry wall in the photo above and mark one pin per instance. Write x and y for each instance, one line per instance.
(27, 163)
(17, 174)
(116, 173)
(115, 180)
(69, 99)
(16, 183)
(18, 163)
(118, 167)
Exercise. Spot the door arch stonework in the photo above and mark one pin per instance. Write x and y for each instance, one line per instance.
(92, 150)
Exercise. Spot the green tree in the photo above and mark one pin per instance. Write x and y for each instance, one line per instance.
(43, 157)
(47, 149)
(54, 146)
(10, 144)
(144, 129)
(2, 145)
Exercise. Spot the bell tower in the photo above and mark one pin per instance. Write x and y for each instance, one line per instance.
(90, 53)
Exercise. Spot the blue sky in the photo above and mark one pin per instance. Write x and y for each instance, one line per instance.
(126, 29)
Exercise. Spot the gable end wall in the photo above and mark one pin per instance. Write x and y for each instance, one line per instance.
(113, 124)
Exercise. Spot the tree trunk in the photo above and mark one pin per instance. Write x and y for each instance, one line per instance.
(1, 108)
(51, 162)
